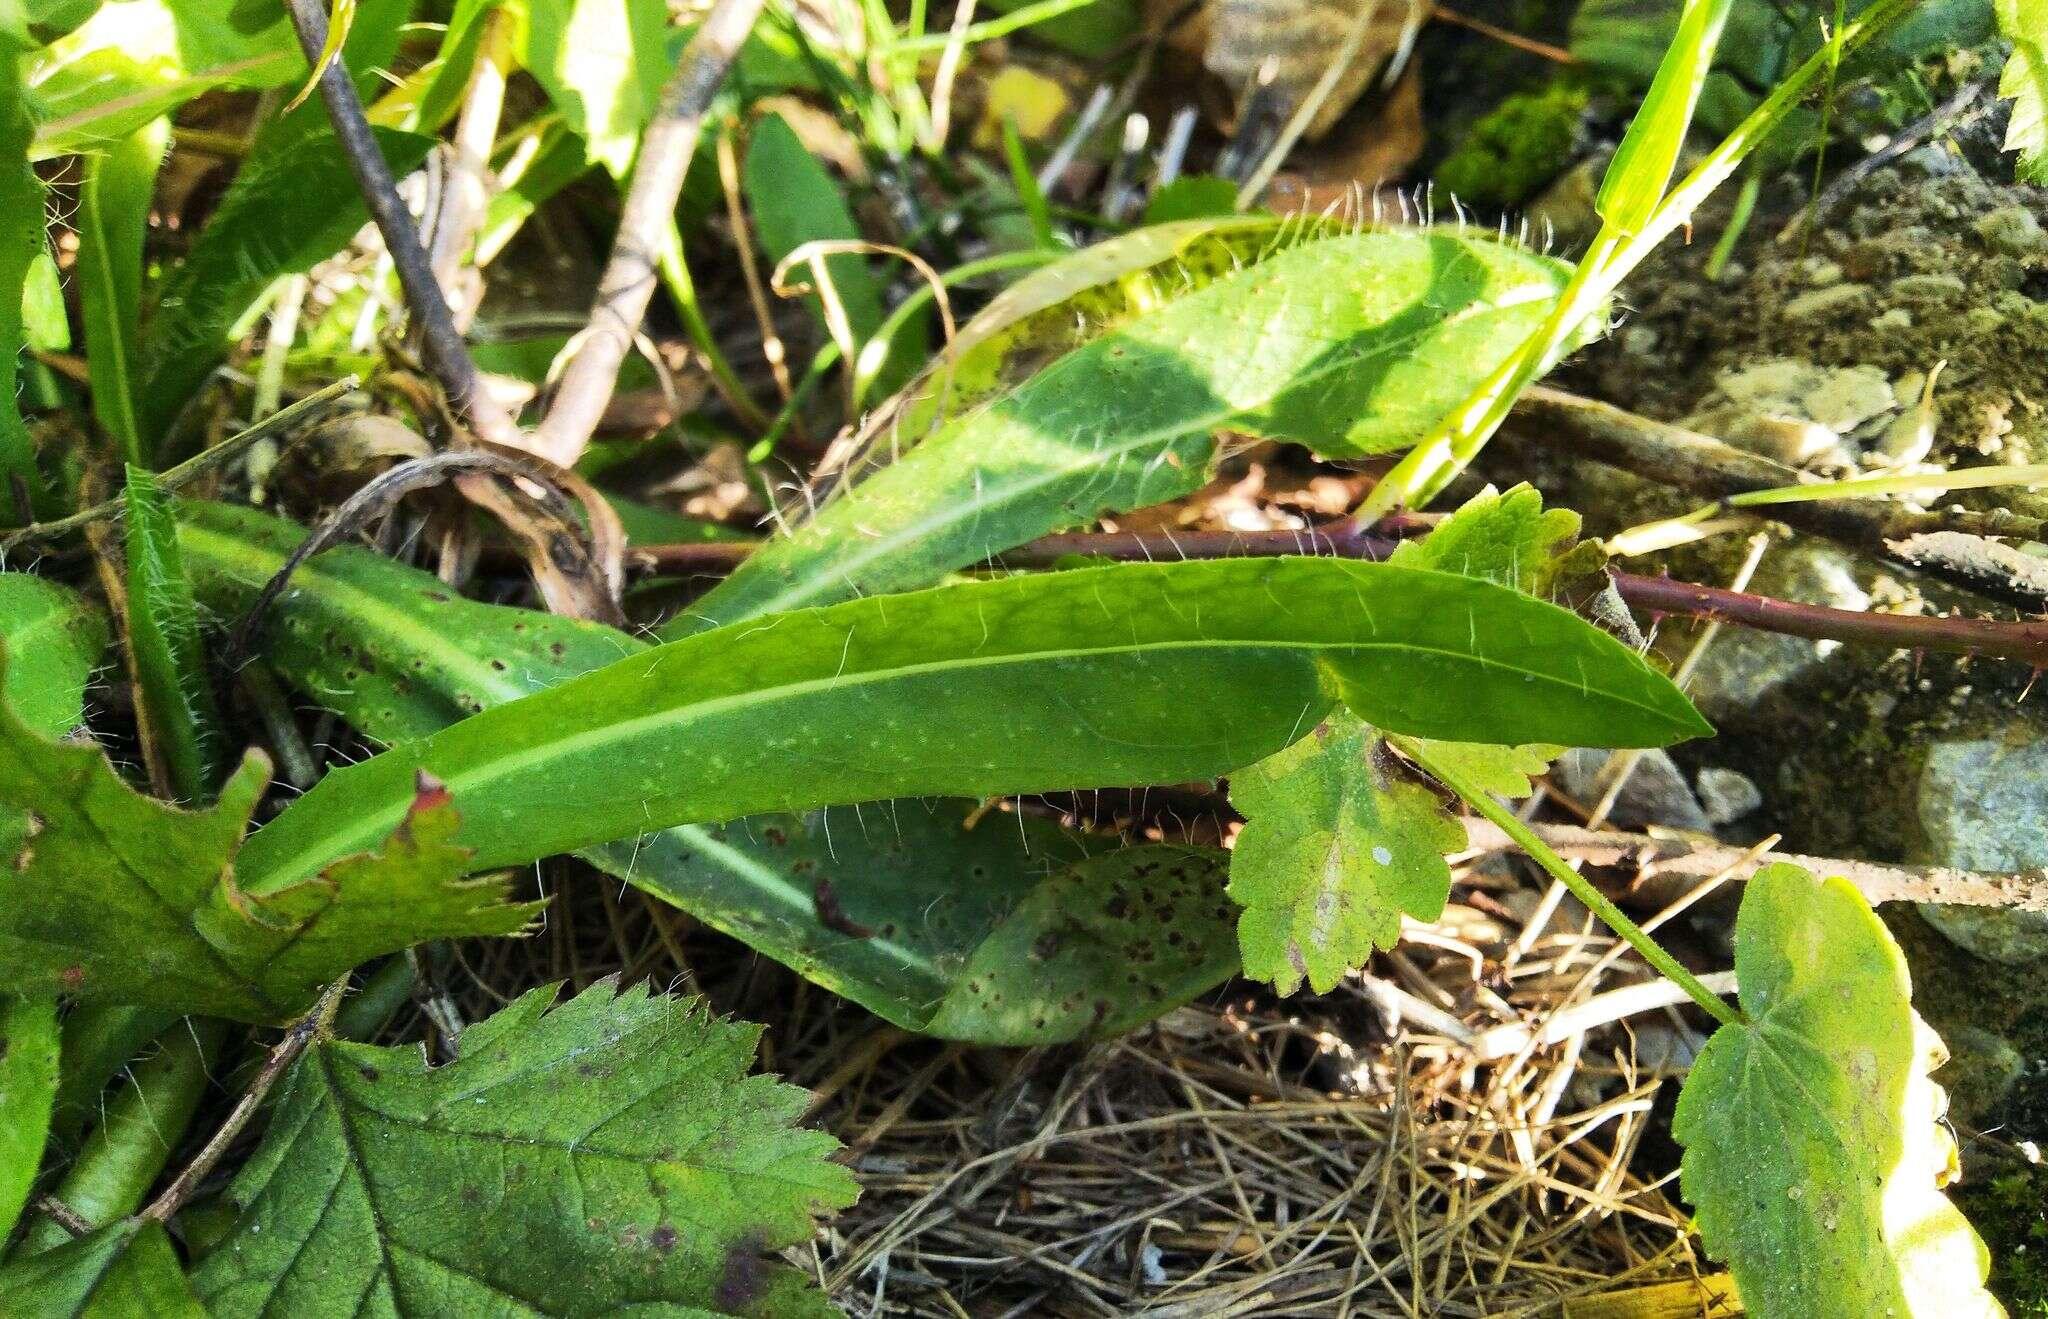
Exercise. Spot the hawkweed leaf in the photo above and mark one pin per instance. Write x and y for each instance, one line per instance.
(1130, 674)
(178, 712)
(1351, 344)
(598, 1156)
(897, 905)
(113, 211)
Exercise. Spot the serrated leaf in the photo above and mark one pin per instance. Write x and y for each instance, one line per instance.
(1509, 539)
(1353, 344)
(176, 693)
(1099, 677)
(1504, 771)
(113, 896)
(288, 210)
(1336, 847)
(388, 648)
(1814, 1148)
(607, 1153)
(2025, 82)
(127, 1270)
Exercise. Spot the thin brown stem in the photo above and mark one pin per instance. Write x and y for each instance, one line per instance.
(630, 275)
(296, 1037)
(446, 353)
(2025, 641)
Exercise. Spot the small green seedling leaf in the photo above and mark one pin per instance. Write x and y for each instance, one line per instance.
(1097, 677)
(900, 906)
(1814, 1146)
(2025, 82)
(111, 896)
(1337, 846)
(288, 210)
(1510, 539)
(52, 640)
(602, 63)
(21, 240)
(28, 1095)
(1352, 344)
(177, 705)
(113, 217)
(128, 1270)
(605, 1155)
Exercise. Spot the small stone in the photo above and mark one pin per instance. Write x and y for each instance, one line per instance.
(1897, 318)
(1981, 1069)
(2014, 231)
(1818, 272)
(1923, 289)
(1654, 793)
(1834, 300)
(1844, 399)
(1980, 805)
(1794, 441)
(1639, 340)
(1726, 795)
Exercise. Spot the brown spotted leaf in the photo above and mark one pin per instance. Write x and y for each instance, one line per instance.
(112, 896)
(594, 1158)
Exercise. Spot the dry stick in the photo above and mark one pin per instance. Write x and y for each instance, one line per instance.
(630, 274)
(1687, 460)
(446, 352)
(467, 195)
(2023, 641)
(296, 1037)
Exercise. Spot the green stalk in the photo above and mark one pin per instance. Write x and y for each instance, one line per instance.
(144, 1124)
(1579, 886)
(682, 291)
(1450, 448)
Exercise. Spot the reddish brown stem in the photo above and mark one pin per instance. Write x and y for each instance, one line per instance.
(2025, 641)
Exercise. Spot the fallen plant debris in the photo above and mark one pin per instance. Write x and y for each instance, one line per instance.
(903, 682)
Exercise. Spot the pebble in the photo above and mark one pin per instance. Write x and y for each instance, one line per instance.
(1833, 299)
(1927, 288)
(1726, 795)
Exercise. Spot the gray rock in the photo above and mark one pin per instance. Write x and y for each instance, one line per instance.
(1726, 795)
(1743, 669)
(1982, 805)
(1656, 791)
(1829, 301)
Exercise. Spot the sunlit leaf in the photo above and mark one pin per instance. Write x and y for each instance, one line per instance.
(603, 63)
(1815, 1151)
(1134, 673)
(1351, 344)
(52, 640)
(1506, 538)
(601, 1156)
(2025, 81)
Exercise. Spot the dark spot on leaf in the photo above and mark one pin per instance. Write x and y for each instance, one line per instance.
(73, 976)
(1045, 945)
(741, 1281)
(832, 915)
(663, 1238)
(370, 1073)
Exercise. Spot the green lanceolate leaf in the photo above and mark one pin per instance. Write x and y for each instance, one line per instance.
(28, 1095)
(287, 211)
(1353, 344)
(113, 216)
(112, 896)
(1814, 1149)
(603, 1156)
(2025, 82)
(178, 708)
(1135, 673)
(1337, 846)
(126, 1271)
(21, 242)
(52, 640)
(898, 906)
(1641, 169)
(603, 64)
(794, 201)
